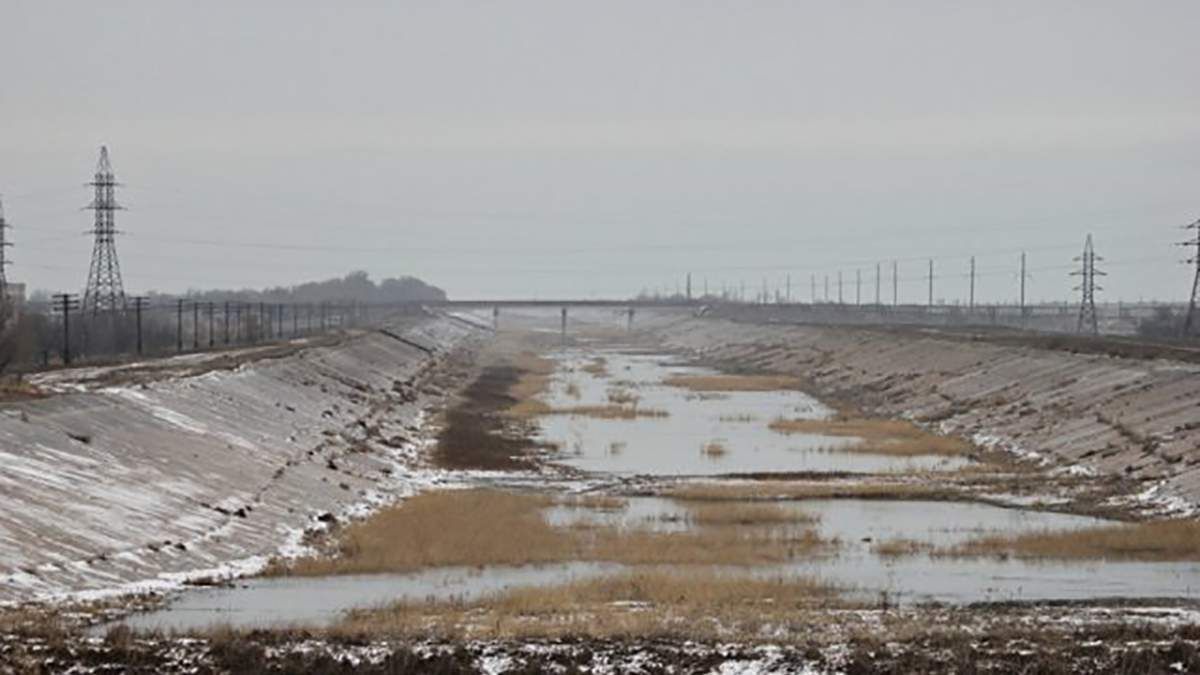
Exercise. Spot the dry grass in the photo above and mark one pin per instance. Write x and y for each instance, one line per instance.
(895, 548)
(488, 527)
(694, 605)
(1162, 540)
(714, 449)
(878, 436)
(595, 502)
(533, 381)
(717, 383)
(597, 367)
(608, 412)
(789, 491)
(451, 527)
(710, 514)
(572, 390)
(743, 418)
(622, 396)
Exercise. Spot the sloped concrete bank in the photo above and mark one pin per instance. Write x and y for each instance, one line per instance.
(143, 484)
(1136, 418)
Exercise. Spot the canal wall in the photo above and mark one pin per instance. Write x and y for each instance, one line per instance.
(1134, 417)
(119, 481)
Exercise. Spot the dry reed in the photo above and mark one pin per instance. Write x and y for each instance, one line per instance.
(694, 605)
(714, 449)
(1162, 540)
(489, 527)
(878, 436)
(719, 383)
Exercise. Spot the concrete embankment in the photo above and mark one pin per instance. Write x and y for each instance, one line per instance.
(1137, 418)
(120, 482)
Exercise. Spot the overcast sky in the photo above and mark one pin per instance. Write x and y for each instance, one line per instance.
(559, 148)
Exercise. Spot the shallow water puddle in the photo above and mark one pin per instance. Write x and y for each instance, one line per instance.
(857, 526)
(675, 443)
(320, 601)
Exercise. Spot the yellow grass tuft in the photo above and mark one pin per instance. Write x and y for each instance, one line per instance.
(714, 449)
(489, 527)
(716, 383)
(1162, 540)
(785, 491)
(895, 548)
(694, 604)
(595, 502)
(597, 367)
(608, 412)
(878, 436)
(711, 514)
(622, 396)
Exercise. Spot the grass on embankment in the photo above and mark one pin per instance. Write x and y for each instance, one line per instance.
(1163, 540)
(691, 605)
(878, 436)
(489, 527)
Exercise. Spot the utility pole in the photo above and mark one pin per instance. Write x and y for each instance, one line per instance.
(210, 324)
(4, 261)
(63, 304)
(931, 282)
(788, 295)
(239, 328)
(296, 320)
(1194, 242)
(877, 271)
(689, 287)
(1087, 287)
(195, 326)
(971, 302)
(1024, 276)
(858, 287)
(826, 288)
(564, 325)
(140, 302)
(104, 291)
(839, 287)
(895, 283)
(814, 289)
(226, 340)
(179, 324)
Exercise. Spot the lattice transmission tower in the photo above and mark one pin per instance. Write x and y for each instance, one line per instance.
(1087, 287)
(1194, 243)
(104, 291)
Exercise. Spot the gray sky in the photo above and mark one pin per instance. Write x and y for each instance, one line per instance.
(557, 148)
